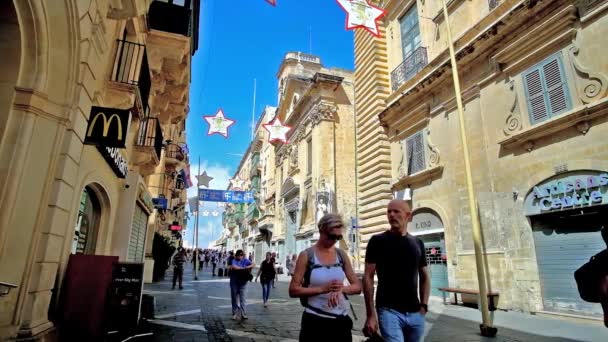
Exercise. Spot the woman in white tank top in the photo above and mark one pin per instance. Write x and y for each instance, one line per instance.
(318, 281)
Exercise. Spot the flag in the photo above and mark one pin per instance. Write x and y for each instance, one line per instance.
(186, 174)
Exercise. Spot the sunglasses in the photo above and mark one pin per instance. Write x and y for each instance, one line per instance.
(335, 237)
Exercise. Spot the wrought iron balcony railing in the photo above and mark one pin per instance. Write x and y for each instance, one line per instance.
(150, 134)
(411, 65)
(174, 151)
(131, 67)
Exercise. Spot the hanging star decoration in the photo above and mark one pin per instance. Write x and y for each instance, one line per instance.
(360, 13)
(237, 183)
(204, 179)
(278, 131)
(218, 124)
(272, 2)
(215, 213)
(206, 213)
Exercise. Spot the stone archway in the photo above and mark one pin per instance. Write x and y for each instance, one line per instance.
(10, 50)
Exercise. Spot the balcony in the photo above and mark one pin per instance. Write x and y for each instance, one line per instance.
(171, 18)
(253, 213)
(411, 65)
(256, 166)
(174, 154)
(148, 145)
(125, 9)
(130, 79)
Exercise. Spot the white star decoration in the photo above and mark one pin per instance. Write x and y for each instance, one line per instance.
(215, 213)
(278, 131)
(204, 179)
(218, 124)
(206, 213)
(237, 183)
(360, 13)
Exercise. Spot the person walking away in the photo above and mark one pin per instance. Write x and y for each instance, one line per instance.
(178, 267)
(267, 272)
(229, 261)
(318, 281)
(399, 260)
(240, 273)
(214, 258)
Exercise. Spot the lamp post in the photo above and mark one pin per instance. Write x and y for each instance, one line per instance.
(486, 327)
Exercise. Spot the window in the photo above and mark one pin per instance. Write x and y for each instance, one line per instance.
(546, 90)
(415, 153)
(410, 31)
(309, 156)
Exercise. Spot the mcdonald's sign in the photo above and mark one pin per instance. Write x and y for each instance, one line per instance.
(108, 127)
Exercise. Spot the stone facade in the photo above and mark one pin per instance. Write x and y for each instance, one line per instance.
(515, 141)
(62, 58)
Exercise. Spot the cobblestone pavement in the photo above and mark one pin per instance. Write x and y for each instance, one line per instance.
(202, 312)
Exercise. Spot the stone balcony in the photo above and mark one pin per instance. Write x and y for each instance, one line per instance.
(148, 146)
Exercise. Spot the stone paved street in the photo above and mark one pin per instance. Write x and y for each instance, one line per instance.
(201, 312)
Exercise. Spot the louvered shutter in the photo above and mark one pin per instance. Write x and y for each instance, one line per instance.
(546, 90)
(415, 153)
(555, 83)
(535, 91)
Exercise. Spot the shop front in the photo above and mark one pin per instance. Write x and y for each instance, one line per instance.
(566, 213)
(428, 226)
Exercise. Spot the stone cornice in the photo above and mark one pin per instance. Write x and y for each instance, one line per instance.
(33, 101)
(399, 126)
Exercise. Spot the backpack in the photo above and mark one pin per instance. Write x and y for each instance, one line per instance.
(310, 253)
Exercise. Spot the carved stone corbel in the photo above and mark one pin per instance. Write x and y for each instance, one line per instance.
(583, 127)
(323, 111)
(513, 122)
(402, 168)
(590, 86)
(434, 157)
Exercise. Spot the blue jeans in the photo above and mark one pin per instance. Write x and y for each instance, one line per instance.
(237, 295)
(266, 291)
(400, 327)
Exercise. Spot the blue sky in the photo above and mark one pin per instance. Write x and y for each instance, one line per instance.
(243, 40)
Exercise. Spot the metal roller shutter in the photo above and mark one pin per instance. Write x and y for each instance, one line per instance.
(138, 235)
(561, 248)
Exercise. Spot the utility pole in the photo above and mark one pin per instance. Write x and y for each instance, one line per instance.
(486, 327)
(198, 207)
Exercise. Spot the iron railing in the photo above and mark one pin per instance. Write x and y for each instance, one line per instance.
(493, 4)
(131, 67)
(174, 151)
(411, 65)
(150, 134)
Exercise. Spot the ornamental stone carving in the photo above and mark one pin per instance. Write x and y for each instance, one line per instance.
(433, 159)
(402, 168)
(322, 111)
(513, 122)
(293, 158)
(590, 86)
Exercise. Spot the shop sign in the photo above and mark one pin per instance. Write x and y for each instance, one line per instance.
(115, 160)
(425, 220)
(160, 203)
(125, 296)
(568, 192)
(108, 127)
(175, 227)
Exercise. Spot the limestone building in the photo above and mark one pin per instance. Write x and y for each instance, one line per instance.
(534, 94)
(310, 175)
(76, 77)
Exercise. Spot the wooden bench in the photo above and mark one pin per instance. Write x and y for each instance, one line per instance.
(492, 296)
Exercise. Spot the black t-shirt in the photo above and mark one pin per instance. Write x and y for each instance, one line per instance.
(398, 259)
(268, 272)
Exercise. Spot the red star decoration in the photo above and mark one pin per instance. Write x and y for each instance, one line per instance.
(278, 131)
(272, 2)
(362, 14)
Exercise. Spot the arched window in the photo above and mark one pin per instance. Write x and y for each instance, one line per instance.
(87, 224)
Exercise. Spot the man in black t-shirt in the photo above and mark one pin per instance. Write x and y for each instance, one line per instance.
(400, 262)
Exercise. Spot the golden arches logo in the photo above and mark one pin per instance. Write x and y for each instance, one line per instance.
(106, 124)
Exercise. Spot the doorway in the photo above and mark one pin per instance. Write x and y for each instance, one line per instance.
(87, 223)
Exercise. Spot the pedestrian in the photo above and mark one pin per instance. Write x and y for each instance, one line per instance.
(288, 265)
(292, 264)
(240, 275)
(399, 260)
(266, 273)
(214, 258)
(273, 259)
(318, 281)
(592, 278)
(178, 267)
(201, 260)
(229, 262)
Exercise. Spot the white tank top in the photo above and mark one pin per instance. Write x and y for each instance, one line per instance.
(319, 277)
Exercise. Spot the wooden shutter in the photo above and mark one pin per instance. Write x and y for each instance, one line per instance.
(546, 90)
(555, 83)
(415, 153)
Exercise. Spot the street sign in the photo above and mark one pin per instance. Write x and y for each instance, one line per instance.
(211, 195)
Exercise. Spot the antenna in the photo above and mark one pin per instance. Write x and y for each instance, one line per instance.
(253, 110)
